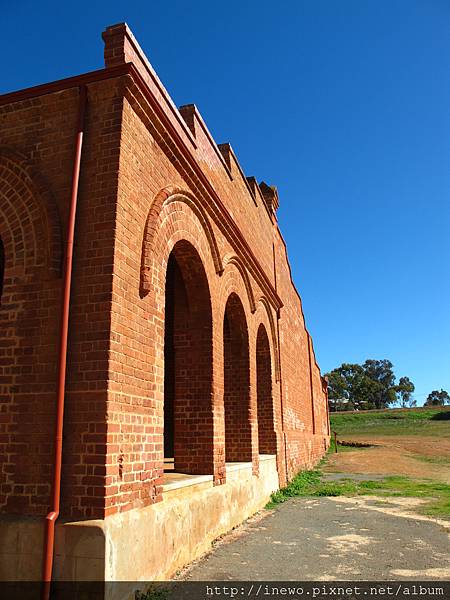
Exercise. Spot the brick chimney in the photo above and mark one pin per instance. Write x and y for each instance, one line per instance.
(270, 196)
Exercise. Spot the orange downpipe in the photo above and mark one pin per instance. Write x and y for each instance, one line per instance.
(50, 520)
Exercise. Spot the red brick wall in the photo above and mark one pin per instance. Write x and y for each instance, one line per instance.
(155, 191)
(37, 149)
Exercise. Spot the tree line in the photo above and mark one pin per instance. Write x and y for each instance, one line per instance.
(373, 385)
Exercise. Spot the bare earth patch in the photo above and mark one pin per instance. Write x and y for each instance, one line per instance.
(411, 456)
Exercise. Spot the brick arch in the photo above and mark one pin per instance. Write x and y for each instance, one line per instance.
(188, 365)
(231, 282)
(233, 259)
(176, 222)
(164, 198)
(264, 303)
(179, 235)
(236, 382)
(29, 219)
(267, 439)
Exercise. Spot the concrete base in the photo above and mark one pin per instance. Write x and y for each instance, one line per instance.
(145, 544)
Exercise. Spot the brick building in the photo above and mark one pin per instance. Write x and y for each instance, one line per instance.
(191, 388)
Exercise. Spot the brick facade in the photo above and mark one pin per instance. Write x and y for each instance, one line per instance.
(187, 337)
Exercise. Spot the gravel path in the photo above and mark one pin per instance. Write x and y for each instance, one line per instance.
(341, 538)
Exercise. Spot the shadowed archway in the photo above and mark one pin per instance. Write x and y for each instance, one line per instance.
(238, 439)
(266, 430)
(188, 415)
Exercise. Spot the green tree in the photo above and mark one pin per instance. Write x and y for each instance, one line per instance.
(349, 387)
(404, 390)
(341, 385)
(437, 398)
(381, 372)
(371, 385)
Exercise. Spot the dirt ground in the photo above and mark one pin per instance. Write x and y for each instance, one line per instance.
(422, 457)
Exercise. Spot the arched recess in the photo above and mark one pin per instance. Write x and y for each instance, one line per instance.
(267, 441)
(188, 411)
(273, 333)
(233, 259)
(165, 197)
(29, 220)
(238, 431)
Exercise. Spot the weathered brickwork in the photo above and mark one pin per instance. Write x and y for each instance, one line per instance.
(187, 338)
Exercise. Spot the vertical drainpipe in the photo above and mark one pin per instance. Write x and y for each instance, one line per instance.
(49, 535)
(279, 365)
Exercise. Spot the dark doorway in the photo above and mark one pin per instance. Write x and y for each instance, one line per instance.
(188, 415)
(266, 431)
(238, 439)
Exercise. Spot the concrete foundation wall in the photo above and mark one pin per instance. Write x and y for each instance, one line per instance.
(145, 544)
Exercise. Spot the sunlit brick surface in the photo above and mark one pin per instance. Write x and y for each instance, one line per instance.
(181, 298)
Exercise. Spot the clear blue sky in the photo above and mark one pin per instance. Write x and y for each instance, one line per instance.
(345, 106)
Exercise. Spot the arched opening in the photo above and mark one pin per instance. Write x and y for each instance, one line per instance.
(266, 432)
(188, 416)
(238, 438)
(2, 267)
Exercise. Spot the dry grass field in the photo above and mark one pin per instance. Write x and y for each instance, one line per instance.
(414, 443)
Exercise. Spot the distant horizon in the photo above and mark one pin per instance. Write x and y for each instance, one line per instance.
(394, 407)
(346, 110)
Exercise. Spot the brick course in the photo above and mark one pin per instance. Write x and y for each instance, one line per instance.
(181, 296)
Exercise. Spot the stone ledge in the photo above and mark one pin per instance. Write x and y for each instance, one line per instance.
(180, 484)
